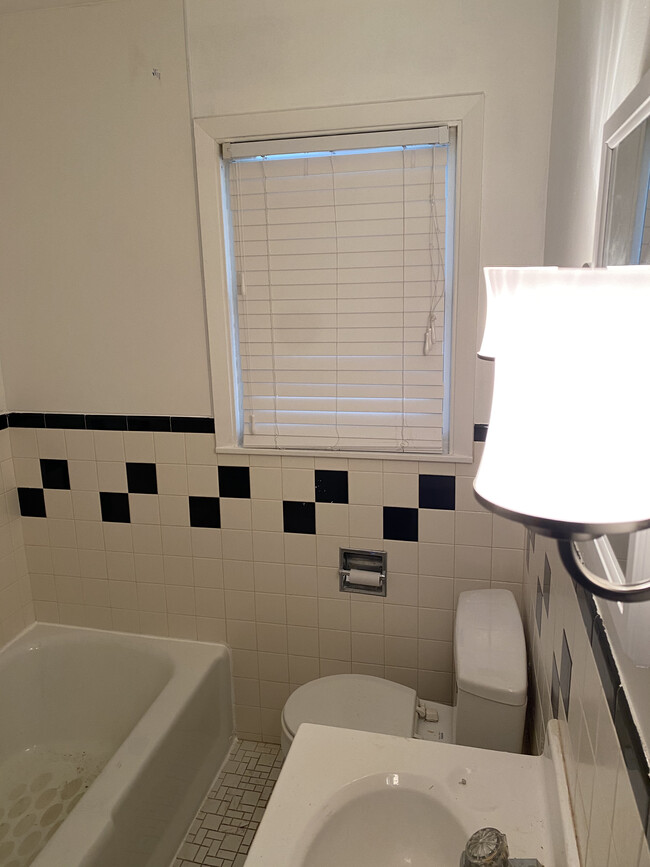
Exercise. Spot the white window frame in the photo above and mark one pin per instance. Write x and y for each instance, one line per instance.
(466, 114)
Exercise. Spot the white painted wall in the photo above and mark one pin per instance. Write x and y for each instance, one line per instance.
(279, 54)
(101, 299)
(101, 295)
(602, 53)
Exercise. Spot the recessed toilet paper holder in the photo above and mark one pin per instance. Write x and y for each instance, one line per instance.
(362, 571)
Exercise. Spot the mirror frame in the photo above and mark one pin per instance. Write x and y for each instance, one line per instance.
(633, 111)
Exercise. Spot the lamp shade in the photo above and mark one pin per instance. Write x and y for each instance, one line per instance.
(568, 443)
(500, 288)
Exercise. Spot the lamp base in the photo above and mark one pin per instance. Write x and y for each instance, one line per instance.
(575, 566)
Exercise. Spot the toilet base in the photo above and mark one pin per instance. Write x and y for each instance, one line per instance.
(442, 730)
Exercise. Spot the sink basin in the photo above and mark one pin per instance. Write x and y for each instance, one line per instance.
(369, 800)
(388, 820)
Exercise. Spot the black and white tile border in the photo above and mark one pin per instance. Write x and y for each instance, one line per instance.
(400, 523)
(224, 827)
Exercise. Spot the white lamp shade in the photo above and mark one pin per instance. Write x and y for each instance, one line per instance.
(569, 434)
(501, 285)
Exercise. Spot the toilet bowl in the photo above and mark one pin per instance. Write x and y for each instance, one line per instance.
(491, 684)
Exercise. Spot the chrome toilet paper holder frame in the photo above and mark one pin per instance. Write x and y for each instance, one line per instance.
(371, 562)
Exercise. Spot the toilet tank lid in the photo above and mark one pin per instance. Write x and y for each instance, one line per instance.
(489, 646)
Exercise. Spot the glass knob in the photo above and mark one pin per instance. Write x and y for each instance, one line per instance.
(487, 847)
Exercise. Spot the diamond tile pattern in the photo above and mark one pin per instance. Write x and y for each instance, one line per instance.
(223, 830)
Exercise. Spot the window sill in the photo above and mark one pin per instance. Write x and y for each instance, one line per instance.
(350, 455)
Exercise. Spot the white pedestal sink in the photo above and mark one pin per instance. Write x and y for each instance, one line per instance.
(368, 800)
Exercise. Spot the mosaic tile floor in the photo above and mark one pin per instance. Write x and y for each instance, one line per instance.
(223, 830)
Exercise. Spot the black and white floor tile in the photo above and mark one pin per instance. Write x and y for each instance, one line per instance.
(223, 830)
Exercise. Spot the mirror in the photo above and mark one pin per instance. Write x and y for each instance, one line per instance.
(627, 222)
(623, 238)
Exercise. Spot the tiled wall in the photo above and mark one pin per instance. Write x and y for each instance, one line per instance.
(16, 610)
(607, 782)
(144, 532)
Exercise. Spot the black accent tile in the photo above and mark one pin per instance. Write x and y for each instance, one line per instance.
(437, 492)
(205, 512)
(555, 690)
(148, 422)
(55, 474)
(115, 507)
(401, 523)
(480, 433)
(547, 584)
(106, 422)
(539, 604)
(4, 421)
(26, 419)
(566, 666)
(633, 756)
(65, 420)
(32, 502)
(141, 478)
(234, 482)
(298, 517)
(331, 486)
(605, 664)
(587, 608)
(188, 424)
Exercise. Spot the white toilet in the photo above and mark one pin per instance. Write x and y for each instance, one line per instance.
(491, 682)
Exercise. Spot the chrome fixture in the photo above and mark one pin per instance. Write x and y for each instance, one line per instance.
(488, 847)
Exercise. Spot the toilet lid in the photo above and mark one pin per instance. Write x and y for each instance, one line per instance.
(353, 701)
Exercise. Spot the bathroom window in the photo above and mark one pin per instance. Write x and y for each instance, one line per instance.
(343, 255)
(341, 275)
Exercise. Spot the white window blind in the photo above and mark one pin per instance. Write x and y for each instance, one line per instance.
(341, 251)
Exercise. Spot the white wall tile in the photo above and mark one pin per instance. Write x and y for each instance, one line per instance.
(267, 515)
(401, 620)
(235, 513)
(51, 444)
(473, 528)
(437, 525)
(268, 547)
(334, 644)
(366, 616)
(472, 561)
(274, 666)
(401, 489)
(202, 481)
(147, 538)
(298, 485)
(365, 521)
(365, 488)
(80, 445)
(139, 447)
(300, 549)
(109, 445)
(208, 572)
(146, 509)
(169, 448)
(270, 608)
(266, 483)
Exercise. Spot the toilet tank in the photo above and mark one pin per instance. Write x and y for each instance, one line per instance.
(490, 667)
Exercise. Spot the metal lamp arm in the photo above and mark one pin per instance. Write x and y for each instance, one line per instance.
(639, 592)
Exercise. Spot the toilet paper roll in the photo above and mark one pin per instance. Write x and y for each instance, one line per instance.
(365, 578)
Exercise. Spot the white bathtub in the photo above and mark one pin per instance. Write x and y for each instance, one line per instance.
(123, 733)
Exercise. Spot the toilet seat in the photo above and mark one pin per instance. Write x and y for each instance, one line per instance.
(352, 701)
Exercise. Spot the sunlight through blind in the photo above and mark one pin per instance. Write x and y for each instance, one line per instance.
(341, 248)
